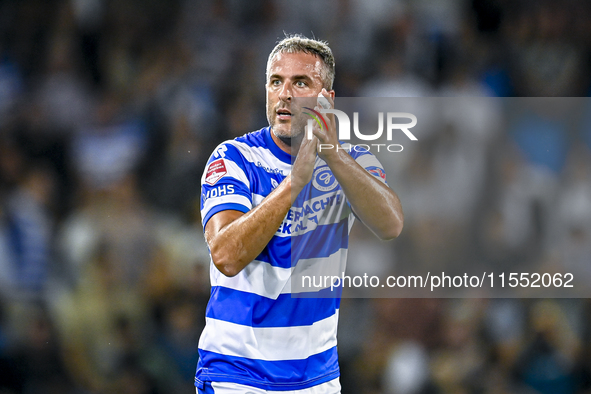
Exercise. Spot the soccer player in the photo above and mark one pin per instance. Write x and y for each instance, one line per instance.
(258, 338)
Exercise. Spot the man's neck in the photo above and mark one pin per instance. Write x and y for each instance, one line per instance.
(288, 145)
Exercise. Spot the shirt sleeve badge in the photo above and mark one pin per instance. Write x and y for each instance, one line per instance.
(215, 171)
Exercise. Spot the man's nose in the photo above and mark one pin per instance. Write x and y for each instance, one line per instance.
(285, 94)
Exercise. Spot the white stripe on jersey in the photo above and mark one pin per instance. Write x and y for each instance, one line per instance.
(237, 172)
(228, 199)
(269, 343)
(330, 387)
(257, 277)
(368, 161)
(268, 281)
(257, 199)
(320, 269)
(256, 154)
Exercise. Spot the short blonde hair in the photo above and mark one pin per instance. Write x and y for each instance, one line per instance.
(297, 43)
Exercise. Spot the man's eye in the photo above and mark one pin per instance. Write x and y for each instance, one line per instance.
(276, 82)
(300, 84)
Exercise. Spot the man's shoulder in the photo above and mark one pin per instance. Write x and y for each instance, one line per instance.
(240, 147)
(365, 158)
(256, 137)
(253, 139)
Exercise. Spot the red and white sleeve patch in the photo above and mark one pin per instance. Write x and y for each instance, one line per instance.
(378, 172)
(215, 171)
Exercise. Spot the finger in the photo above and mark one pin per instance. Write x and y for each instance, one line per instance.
(323, 101)
(327, 96)
(312, 143)
(330, 104)
(306, 142)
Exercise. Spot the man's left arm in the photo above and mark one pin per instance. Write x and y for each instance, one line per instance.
(372, 201)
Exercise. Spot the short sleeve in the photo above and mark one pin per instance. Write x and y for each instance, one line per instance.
(225, 184)
(372, 165)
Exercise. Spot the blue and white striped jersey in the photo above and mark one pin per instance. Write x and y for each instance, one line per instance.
(257, 333)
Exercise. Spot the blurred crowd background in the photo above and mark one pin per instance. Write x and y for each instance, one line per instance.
(109, 109)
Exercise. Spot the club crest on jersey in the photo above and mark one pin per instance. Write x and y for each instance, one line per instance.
(215, 171)
(323, 179)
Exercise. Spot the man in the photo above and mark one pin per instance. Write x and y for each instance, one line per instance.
(258, 338)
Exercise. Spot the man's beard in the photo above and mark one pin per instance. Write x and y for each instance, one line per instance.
(297, 131)
(290, 140)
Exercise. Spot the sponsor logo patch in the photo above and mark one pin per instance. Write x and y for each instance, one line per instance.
(215, 171)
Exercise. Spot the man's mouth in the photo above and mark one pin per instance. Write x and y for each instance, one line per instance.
(283, 114)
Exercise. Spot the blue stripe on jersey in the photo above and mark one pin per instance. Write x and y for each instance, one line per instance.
(282, 251)
(221, 189)
(321, 242)
(314, 370)
(253, 310)
(223, 207)
(279, 255)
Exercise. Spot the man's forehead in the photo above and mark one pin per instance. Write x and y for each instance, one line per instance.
(298, 61)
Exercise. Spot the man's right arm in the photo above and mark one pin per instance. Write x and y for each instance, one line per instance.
(235, 238)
